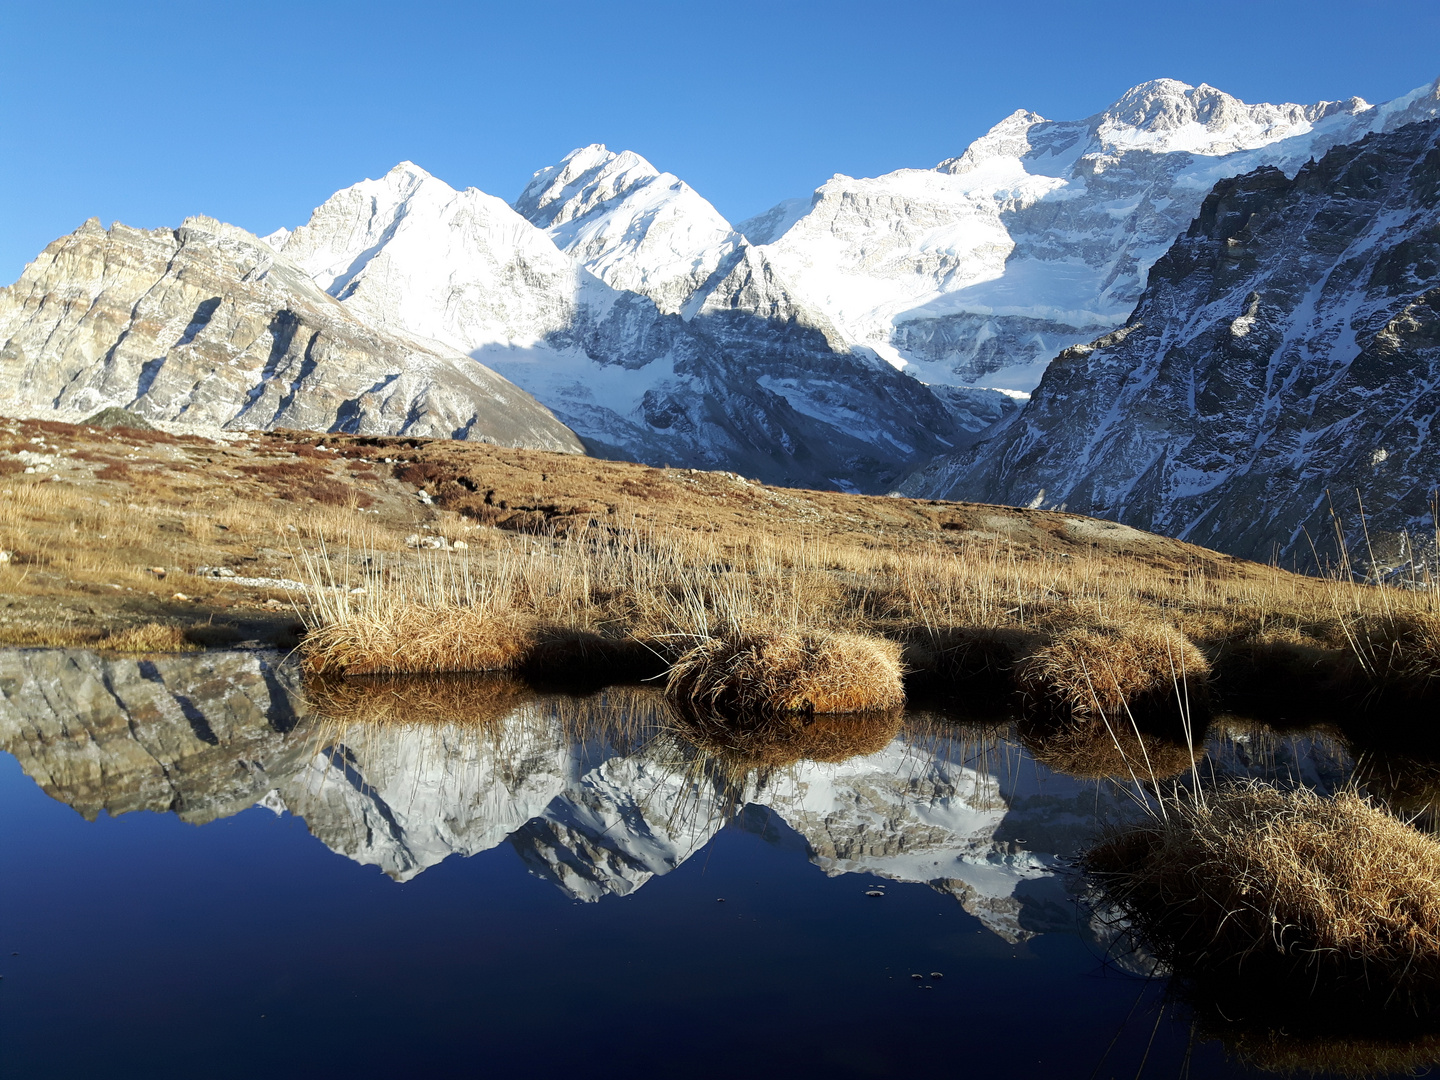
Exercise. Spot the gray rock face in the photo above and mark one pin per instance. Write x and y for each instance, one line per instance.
(206, 325)
(1288, 345)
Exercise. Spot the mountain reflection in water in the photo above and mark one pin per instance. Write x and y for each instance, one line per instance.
(597, 795)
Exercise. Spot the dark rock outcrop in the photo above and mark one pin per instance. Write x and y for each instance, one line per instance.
(1284, 357)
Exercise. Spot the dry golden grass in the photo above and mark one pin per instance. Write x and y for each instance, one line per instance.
(50, 637)
(146, 637)
(1137, 669)
(1399, 651)
(149, 637)
(1287, 1053)
(602, 557)
(1271, 891)
(412, 638)
(1408, 786)
(806, 672)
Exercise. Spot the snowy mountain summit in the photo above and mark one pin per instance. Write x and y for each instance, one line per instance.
(1039, 235)
(657, 334)
(629, 224)
(408, 251)
(1285, 354)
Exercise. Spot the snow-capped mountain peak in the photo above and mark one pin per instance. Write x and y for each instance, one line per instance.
(634, 227)
(459, 267)
(775, 222)
(1008, 138)
(581, 181)
(1166, 116)
(1040, 234)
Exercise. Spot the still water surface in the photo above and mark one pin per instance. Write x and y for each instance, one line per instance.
(206, 875)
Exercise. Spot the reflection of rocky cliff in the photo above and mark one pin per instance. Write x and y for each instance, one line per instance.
(200, 735)
(594, 796)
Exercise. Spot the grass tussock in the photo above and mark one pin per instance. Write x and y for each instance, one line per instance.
(1261, 891)
(146, 637)
(150, 637)
(1288, 1052)
(1399, 654)
(1136, 669)
(415, 638)
(49, 637)
(805, 672)
(1408, 786)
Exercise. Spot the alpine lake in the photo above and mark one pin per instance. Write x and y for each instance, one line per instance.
(212, 869)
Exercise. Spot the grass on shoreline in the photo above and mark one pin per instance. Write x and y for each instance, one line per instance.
(1077, 633)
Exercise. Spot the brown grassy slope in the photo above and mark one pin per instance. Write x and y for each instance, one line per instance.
(134, 513)
(115, 542)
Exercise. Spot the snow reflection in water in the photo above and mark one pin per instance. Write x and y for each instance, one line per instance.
(597, 795)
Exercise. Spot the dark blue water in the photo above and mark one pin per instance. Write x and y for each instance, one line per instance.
(140, 945)
(147, 947)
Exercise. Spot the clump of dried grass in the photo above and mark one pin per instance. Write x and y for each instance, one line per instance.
(149, 637)
(472, 700)
(1408, 786)
(49, 637)
(1142, 669)
(1264, 891)
(146, 637)
(415, 638)
(801, 671)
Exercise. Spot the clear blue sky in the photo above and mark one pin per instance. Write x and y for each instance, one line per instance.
(254, 111)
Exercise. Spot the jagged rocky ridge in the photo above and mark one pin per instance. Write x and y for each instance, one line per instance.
(207, 325)
(670, 335)
(1285, 356)
(626, 303)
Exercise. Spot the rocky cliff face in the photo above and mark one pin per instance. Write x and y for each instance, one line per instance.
(1286, 353)
(205, 324)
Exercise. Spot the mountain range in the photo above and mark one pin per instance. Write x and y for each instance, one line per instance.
(866, 338)
(1282, 364)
